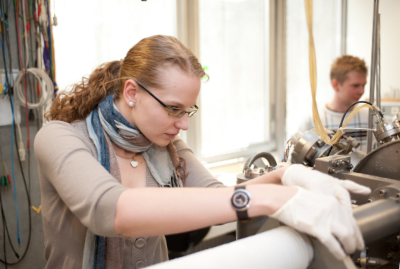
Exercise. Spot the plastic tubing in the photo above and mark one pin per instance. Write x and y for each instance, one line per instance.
(265, 250)
(339, 132)
(313, 73)
(46, 95)
(313, 82)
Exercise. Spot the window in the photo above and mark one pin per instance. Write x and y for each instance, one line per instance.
(234, 50)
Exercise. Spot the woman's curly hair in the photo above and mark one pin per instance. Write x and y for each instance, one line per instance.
(143, 63)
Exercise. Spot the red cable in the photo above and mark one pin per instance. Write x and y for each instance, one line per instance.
(28, 24)
(23, 77)
(39, 8)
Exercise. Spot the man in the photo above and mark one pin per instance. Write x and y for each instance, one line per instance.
(348, 78)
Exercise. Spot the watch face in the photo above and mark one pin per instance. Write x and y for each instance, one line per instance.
(240, 199)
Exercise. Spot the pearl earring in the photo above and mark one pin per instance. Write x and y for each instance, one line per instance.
(131, 104)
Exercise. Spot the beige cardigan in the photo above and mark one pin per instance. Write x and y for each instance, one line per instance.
(77, 192)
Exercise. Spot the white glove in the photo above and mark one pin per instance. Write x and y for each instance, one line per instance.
(299, 175)
(324, 217)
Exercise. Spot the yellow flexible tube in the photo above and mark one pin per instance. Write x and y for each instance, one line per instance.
(313, 83)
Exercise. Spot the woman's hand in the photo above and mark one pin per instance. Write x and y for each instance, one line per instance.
(322, 216)
(299, 175)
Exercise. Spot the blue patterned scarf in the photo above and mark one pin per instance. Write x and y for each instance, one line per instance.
(163, 163)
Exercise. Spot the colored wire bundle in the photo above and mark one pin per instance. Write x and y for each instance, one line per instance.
(33, 88)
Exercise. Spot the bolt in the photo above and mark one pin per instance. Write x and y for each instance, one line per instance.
(320, 143)
(382, 192)
(271, 168)
(342, 162)
(378, 121)
(350, 166)
(261, 171)
(331, 171)
(354, 202)
(370, 200)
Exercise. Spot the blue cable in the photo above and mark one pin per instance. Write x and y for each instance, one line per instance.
(5, 62)
(12, 138)
(13, 172)
(12, 149)
(1, 17)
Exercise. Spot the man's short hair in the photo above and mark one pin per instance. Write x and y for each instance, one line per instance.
(345, 64)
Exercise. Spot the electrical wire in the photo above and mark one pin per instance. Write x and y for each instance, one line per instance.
(29, 205)
(9, 83)
(26, 31)
(29, 215)
(29, 211)
(20, 143)
(358, 102)
(46, 91)
(23, 74)
(7, 231)
(13, 171)
(21, 147)
(5, 227)
(4, 233)
(5, 61)
(5, 173)
(5, 35)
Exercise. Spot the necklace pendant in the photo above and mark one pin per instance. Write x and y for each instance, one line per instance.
(134, 163)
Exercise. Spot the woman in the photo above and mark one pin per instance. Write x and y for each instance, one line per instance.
(110, 147)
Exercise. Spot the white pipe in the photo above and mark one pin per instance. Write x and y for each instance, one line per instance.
(280, 248)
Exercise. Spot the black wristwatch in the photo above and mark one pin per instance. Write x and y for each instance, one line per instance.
(241, 202)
